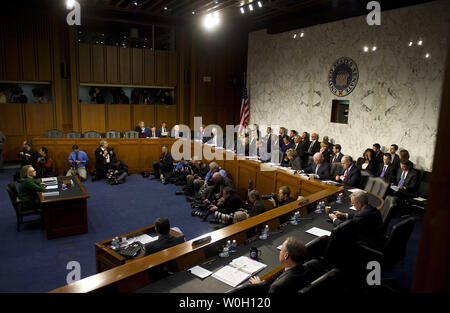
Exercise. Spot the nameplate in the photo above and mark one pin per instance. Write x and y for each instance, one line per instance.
(201, 241)
(303, 202)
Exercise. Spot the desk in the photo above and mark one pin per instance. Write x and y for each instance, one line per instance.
(184, 282)
(106, 258)
(66, 214)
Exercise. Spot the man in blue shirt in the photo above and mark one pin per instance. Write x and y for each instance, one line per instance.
(77, 162)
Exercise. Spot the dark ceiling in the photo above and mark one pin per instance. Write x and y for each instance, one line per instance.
(275, 15)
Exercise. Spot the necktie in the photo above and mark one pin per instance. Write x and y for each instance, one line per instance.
(76, 156)
(153, 134)
(317, 168)
(257, 151)
(345, 173)
(402, 179)
(384, 171)
(334, 159)
(310, 146)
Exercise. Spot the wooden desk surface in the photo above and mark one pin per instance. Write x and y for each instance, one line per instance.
(77, 180)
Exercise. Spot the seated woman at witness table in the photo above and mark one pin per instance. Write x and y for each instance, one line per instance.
(142, 130)
(369, 163)
(285, 146)
(29, 187)
(294, 161)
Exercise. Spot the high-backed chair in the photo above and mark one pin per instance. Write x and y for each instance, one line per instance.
(365, 177)
(336, 169)
(377, 185)
(54, 133)
(18, 206)
(91, 134)
(113, 134)
(131, 134)
(324, 284)
(73, 135)
(386, 211)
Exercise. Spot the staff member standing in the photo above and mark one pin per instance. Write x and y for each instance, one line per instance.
(103, 156)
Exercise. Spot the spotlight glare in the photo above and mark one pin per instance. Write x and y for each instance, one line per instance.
(427, 55)
(193, 12)
(410, 44)
(242, 10)
(165, 8)
(374, 48)
(366, 49)
(260, 4)
(250, 7)
(419, 43)
(211, 20)
(70, 4)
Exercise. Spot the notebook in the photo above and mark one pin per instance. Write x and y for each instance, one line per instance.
(199, 271)
(318, 232)
(238, 271)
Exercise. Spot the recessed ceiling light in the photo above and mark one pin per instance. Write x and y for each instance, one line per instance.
(250, 7)
(165, 8)
(366, 49)
(135, 4)
(260, 4)
(193, 12)
(427, 55)
(295, 36)
(420, 42)
(302, 34)
(374, 48)
(242, 10)
(410, 43)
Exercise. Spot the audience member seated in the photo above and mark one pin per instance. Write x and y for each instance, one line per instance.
(118, 172)
(255, 204)
(226, 206)
(28, 156)
(336, 157)
(314, 145)
(166, 98)
(77, 162)
(154, 133)
(165, 164)
(404, 156)
(263, 151)
(395, 159)
(368, 162)
(96, 95)
(378, 153)
(29, 188)
(406, 180)
(163, 130)
(165, 238)
(283, 197)
(369, 225)
(44, 164)
(239, 216)
(176, 132)
(319, 169)
(351, 175)
(294, 161)
(386, 170)
(142, 130)
(296, 275)
(103, 156)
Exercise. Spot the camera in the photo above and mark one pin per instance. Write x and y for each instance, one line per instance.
(73, 165)
(267, 197)
(223, 218)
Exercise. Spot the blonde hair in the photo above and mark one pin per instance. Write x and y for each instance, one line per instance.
(291, 153)
(24, 172)
(239, 216)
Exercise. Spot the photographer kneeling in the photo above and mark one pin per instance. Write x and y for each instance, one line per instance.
(117, 172)
(284, 197)
(226, 206)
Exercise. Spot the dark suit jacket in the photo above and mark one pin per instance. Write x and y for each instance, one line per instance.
(396, 161)
(166, 158)
(231, 205)
(368, 226)
(323, 172)
(372, 167)
(295, 163)
(389, 175)
(410, 182)
(379, 157)
(315, 148)
(100, 159)
(164, 241)
(353, 177)
(338, 159)
(257, 208)
(157, 133)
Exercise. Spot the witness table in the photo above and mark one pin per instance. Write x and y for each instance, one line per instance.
(65, 214)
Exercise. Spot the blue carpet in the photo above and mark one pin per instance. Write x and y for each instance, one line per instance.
(31, 263)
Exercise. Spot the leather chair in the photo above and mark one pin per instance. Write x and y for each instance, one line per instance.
(91, 134)
(377, 185)
(73, 135)
(336, 169)
(18, 205)
(54, 133)
(113, 134)
(365, 175)
(386, 211)
(395, 248)
(131, 134)
(325, 284)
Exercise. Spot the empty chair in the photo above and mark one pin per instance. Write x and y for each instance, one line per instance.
(336, 169)
(365, 177)
(18, 207)
(131, 134)
(54, 133)
(113, 134)
(422, 191)
(91, 134)
(73, 135)
(386, 211)
(395, 248)
(377, 185)
(325, 284)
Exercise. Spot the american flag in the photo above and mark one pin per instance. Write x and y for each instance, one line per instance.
(245, 112)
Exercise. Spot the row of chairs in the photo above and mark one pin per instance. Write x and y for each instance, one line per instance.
(54, 133)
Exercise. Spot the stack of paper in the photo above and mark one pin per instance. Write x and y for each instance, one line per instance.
(50, 181)
(50, 194)
(200, 272)
(318, 232)
(144, 239)
(238, 271)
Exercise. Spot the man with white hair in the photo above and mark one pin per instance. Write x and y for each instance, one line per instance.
(103, 156)
(319, 169)
(351, 175)
(367, 218)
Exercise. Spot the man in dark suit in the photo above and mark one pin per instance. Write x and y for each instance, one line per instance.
(255, 203)
(163, 130)
(267, 140)
(28, 156)
(351, 175)
(314, 145)
(299, 147)
(319, 169)
(228, 204)
(165, 238)
(296, 275)
(200, 135)
(337, 155)
(367, 219)
(103, 157)
(281, 133)
(395, 159)
(164, 165)
(406, 181)
(378, 153)
(386, 170)
(154, 133)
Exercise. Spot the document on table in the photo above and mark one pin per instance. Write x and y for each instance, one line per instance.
(199, 271)
(50, 194)
(51, 187)
(420, 199)
(238, 271)
(144, 239)
(318, 232)
(49, 180)
(395, 188)
(355, 190)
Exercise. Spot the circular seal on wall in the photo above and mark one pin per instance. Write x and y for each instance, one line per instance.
(343, 76)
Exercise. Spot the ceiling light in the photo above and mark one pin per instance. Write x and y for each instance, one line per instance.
(250, 7)
(374, 48)
(295, 35)
(260, 4)
(366, 49)
(193, 12)
(427, 55)
(242, 10)
(410, 43)
(419, 43)
(165, 8)
(302, 34)
(70, 4)
(211, 20)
